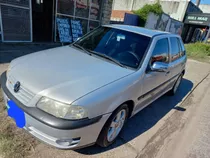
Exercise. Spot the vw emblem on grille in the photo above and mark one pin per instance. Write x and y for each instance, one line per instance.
(17, 87)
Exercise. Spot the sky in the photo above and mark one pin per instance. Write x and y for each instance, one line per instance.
(202, 1)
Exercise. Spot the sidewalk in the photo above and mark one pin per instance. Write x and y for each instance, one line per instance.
(9, 51)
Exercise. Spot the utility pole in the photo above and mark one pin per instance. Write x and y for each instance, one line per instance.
(198, 2)
(132, 3)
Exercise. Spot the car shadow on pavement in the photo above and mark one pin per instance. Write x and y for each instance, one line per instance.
(145, 119)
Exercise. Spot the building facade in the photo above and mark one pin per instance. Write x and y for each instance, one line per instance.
(175, 8)
(48, 20)
(205, 8)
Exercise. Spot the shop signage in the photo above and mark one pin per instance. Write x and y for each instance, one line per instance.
(76, 29)
(197, 19)
(64, 30)
(69, 30)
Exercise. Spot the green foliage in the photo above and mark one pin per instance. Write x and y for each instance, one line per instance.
(146, 9)
(199, 51)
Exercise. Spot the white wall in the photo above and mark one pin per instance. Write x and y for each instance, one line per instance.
(175, 8)
(205, 8)
(122, 4)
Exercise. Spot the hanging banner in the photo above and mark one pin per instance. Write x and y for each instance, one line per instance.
(64, 30)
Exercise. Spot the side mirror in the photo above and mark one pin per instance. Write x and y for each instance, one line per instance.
(159, 67)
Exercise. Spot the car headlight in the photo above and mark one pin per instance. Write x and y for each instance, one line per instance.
(61, 110)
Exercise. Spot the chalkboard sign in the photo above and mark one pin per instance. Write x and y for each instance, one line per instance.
(76, 29)
(64, 30)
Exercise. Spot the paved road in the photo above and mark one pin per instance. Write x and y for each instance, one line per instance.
(175, 127)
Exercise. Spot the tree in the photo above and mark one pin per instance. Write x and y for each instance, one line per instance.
(146, 9)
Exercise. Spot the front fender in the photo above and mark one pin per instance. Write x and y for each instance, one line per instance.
(106, 99)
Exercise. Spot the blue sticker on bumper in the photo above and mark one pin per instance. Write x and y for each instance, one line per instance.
(16, 113)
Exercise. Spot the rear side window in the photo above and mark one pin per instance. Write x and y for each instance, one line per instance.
(161, 51)
(183, 51)
(175, 48)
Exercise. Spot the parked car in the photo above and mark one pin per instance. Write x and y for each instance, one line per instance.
(78, 95)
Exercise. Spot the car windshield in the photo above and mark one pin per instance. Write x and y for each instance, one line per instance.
(124, 47)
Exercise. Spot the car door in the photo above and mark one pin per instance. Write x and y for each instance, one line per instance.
(154, 82)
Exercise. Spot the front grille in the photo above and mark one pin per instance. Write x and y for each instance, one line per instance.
(23, 95)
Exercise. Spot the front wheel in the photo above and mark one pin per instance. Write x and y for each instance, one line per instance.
(176, 85)
(113, 126)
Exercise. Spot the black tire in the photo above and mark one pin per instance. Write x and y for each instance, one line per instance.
(102, 139)
(174, 89)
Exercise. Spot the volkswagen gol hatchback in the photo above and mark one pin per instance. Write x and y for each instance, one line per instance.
(78, 95)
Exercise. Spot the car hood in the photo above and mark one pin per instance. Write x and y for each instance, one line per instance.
(64, 73)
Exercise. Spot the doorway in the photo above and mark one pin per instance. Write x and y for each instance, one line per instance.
(42, 17)
(194, 33)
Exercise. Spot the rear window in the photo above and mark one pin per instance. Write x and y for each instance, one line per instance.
(183, 51)
(175, 48)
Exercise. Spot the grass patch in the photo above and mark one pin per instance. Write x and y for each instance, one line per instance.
(14, 142)
(198, 51)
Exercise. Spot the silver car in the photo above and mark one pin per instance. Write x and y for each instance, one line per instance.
(78, 95)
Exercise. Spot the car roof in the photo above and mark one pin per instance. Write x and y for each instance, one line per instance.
(138, 30)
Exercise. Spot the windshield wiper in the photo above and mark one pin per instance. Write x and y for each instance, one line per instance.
(107, 57)
(82, 48)
(90, 52)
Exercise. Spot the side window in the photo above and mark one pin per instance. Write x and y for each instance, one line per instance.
(183, 51)
(175, 48)
(161, 51)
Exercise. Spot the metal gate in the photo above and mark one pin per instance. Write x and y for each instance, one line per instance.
(16, 21)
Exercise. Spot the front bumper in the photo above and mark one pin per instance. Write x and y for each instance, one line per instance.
(61, 133)
(65, 139)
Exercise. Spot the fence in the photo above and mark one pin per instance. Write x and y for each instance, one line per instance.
(164, 23)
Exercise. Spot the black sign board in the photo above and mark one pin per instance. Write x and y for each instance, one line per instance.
(76, 29)
(64, 30)
(197, 19)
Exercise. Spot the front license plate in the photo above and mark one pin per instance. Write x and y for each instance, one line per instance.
(16, 113)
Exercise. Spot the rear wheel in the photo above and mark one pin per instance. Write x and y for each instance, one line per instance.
(176, 85)
(113, 126)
